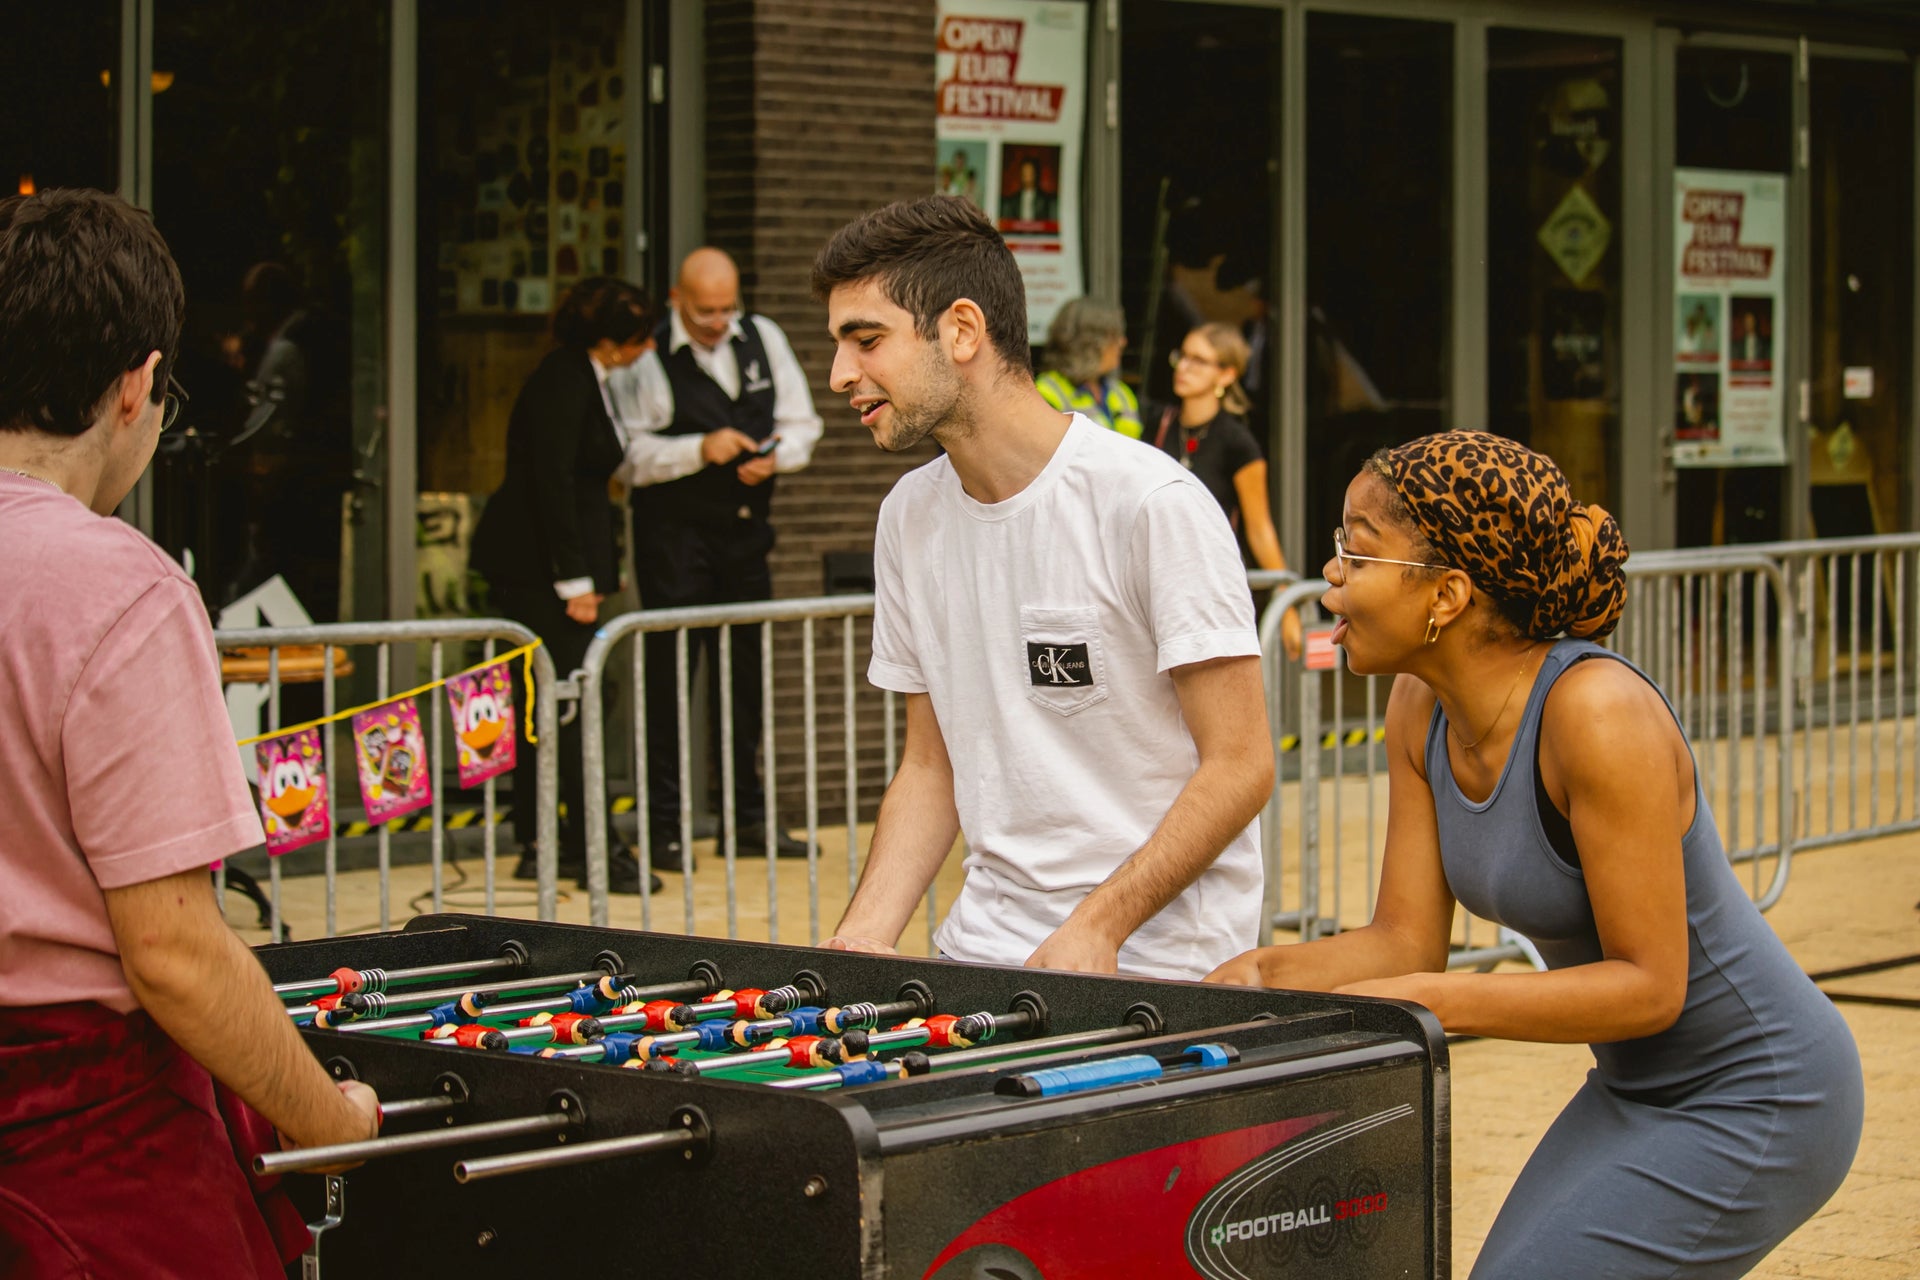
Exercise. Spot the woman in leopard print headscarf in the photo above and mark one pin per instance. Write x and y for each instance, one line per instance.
(1506, 515)
(1544, 783)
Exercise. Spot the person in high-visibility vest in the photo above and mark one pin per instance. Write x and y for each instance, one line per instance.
(1082, 375)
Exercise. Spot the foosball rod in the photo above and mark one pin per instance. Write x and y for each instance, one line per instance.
(344, 980)
(1107, 1073)
(517, 1008)
(744, 1033)
(408, 1143)
(939, 1031)
(411, 1000)
(689, 1134)
(407, 1108)
(1143, 1020)
(580, 1023)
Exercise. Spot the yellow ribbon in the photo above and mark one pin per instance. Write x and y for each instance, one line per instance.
(524, 652)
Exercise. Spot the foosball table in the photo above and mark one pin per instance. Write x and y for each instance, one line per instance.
(633, 1104)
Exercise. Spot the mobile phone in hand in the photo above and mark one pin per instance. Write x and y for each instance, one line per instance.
(767, 446)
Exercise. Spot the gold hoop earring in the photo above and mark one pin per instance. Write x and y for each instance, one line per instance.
(1219, 393)
(1433, 630)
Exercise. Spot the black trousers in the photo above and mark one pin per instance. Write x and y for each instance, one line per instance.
(681, 565)
(537, 608)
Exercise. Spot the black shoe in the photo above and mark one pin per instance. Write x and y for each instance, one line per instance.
(571, 864)
(623, 873)
(528, 868)
(753, 843)
(667, 855)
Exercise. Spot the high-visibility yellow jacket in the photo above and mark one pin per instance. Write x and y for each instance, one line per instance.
(1111, 402)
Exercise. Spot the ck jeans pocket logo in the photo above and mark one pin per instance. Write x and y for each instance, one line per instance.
(1055, 665)
(1064, 663)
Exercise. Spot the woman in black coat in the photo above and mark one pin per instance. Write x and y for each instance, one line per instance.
(546, 542)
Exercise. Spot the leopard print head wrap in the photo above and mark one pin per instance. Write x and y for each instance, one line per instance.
(1505, 515)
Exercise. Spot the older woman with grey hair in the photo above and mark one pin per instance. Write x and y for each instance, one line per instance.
(1083, 362)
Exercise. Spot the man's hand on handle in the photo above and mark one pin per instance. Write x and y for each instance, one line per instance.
(359, 1120)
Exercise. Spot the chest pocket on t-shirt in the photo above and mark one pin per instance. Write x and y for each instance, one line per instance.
(1065, 670)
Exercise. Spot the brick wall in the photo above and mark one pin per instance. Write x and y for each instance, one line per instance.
(817, 113)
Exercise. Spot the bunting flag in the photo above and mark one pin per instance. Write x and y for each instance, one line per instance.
(293, 791)
(481, 703)
(395, 778)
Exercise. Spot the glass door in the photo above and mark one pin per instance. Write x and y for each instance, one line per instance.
(1860, 304)
(59, 97)
(1735, 257)
(1379, 246)
(270, 184)
(1555, 249)
(1200, 86)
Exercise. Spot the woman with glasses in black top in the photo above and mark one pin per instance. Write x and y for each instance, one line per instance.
(1207, 433)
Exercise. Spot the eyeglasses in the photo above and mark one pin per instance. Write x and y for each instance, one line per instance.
(1178, 358)
(176, 396)
(1343, 555)
(715, 317)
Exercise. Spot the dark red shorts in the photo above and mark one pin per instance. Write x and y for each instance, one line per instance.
(116, 1160)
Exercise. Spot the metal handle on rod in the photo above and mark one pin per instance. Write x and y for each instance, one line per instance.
(689, 1141)
(426, 1140)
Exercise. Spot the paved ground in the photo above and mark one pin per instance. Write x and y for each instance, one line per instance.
(1843, 906)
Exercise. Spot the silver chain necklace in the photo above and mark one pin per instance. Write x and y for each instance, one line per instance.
(15, 471)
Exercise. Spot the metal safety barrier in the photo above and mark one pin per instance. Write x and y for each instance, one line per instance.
(850, 616)
(1790, 666)
(1854, 618)
(335, 639)
(1713, 629)
(848, 612)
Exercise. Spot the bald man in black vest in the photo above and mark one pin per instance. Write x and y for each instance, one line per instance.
(715, 412)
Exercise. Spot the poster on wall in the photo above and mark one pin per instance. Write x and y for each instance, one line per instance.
(1730, 250)
(1011, 114)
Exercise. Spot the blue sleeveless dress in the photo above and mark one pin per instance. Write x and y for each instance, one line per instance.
(1692, 1152)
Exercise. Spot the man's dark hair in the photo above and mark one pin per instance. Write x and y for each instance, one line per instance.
(603, 307)
(925, 255)
(87, 291)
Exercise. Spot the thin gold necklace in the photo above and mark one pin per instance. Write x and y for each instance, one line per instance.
(1501, 713)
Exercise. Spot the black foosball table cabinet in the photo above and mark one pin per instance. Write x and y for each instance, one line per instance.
(1092, 1126)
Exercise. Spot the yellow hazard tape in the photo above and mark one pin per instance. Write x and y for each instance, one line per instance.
(458, 820)
(1290, 742)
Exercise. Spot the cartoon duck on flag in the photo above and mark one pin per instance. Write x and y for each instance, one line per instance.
(293, 791)
(481, 703)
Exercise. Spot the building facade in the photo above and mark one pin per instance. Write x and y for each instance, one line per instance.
(1671, 244)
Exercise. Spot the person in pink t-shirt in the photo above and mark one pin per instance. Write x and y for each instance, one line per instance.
(121, 988)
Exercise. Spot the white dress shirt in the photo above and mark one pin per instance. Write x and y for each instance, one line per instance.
(646, 397)
(573, 587)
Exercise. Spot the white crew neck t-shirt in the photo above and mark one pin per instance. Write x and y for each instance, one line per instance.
(1045, 628)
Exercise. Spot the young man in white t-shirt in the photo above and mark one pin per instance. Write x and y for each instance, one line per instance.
(1067, 615)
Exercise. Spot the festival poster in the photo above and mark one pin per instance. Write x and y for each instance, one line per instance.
(482, 706)
(1730, 403)
(293, 790)
(392, 760)
(1011, 114)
